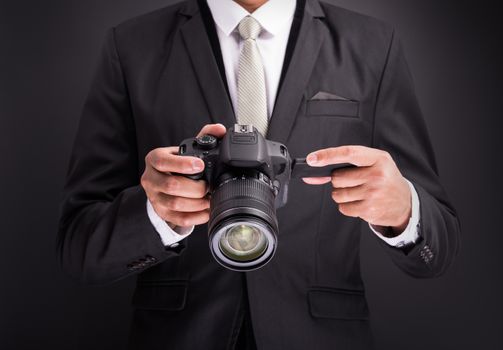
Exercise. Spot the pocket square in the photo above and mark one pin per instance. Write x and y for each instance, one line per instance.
(323, 95)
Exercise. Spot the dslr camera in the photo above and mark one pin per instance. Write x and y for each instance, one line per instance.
(248, 179)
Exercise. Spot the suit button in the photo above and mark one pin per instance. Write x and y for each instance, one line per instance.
(142, 263)
(133, 266)
(425, 254)
(150, 259)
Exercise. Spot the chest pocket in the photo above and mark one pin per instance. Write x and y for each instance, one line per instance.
(333, 108)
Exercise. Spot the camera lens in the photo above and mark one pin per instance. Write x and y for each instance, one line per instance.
(243, 226)
(243, 242)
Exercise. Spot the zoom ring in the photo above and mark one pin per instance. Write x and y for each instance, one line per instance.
(244, 193)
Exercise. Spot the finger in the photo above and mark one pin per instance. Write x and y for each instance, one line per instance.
(316, 180)
(350, 194)
(356, 155)
(350, 177)
(217, 130)
(182, 204)
(352, 209)
(165, 160)
(157, 182)
(188, 219)
(181, 186)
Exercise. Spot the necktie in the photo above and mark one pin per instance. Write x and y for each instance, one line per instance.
(252, 100)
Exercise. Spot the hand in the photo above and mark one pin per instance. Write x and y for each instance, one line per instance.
(374, 191)
(178, 200)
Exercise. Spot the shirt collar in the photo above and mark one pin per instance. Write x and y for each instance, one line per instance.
(273, 16)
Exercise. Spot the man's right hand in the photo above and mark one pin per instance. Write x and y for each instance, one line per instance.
(178, 200)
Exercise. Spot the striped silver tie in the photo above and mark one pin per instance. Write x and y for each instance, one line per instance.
(252, 99)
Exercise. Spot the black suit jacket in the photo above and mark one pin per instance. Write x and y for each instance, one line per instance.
(157, 83)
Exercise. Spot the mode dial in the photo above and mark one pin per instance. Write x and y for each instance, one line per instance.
(207, 142)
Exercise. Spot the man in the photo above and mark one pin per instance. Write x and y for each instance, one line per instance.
(322, 80)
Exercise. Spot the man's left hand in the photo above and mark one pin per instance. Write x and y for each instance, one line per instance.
(374, 190)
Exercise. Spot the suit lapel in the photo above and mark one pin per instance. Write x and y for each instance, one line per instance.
(205, 66)
(297, 76)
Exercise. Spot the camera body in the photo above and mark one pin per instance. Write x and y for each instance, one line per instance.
(243, 151)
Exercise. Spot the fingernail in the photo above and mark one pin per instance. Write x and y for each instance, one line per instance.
(312, 158)
(197, 165)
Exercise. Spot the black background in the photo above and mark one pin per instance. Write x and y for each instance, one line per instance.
(48, 51)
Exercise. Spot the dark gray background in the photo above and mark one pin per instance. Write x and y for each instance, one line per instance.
(48, 51)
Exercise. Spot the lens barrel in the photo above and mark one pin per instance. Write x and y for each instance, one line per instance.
(243, 227)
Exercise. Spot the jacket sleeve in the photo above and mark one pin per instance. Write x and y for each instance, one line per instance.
(400, 129)
(104, 231)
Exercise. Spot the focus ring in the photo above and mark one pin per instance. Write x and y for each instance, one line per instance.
(243, 192)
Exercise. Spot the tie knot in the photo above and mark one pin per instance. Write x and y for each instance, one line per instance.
(249, 28)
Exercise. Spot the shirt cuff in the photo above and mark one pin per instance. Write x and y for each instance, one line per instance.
(411, 232)
(169, 237)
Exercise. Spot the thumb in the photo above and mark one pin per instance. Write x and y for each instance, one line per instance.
(217, 130)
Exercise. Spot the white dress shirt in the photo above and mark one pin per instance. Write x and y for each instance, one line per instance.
(276, 19)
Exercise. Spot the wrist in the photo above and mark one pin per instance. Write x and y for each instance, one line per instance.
(404, 219)
(396, 230)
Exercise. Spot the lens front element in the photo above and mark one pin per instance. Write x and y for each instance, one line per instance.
(243, 242)
(243, 227)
